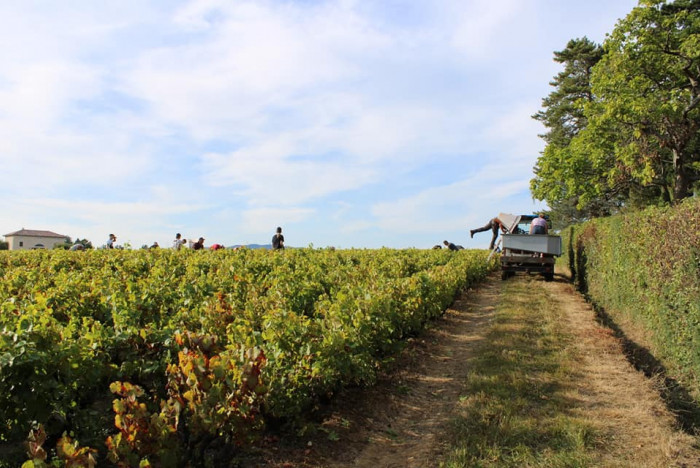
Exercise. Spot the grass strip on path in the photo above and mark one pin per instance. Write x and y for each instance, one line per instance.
(514, 410)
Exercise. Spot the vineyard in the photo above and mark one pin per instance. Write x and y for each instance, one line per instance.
(162, 357)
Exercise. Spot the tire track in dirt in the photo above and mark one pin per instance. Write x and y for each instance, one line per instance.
(401, 421)
(410, 434)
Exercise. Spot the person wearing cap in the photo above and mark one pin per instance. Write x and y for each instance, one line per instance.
(216, 247)
(199, 245)
(178, 242)
(278, 240)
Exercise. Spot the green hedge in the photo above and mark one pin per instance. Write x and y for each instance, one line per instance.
(645, 267)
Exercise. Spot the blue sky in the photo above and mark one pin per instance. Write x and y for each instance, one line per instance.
(349, 123)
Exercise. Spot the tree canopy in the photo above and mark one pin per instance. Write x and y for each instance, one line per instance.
(563, 175)
(624, 122)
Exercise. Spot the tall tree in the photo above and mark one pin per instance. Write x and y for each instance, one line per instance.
(647, 98)
(562, 174)
(563, 114)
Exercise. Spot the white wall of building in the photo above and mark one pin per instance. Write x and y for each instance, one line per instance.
(30, 242)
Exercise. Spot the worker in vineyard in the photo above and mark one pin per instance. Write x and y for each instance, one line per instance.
(539, 225)
(199, 245)
(278, 240)
(452, 246)
(178, 242)
(110, 242)
(494, 225)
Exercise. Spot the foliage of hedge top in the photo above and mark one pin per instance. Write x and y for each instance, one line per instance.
(217, 341)
(646, 267)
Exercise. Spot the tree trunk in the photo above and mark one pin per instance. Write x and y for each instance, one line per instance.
(681, 188)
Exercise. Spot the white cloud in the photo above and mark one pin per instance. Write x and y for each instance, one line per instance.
(48, 138)
(515, 129)
(236, 117)
(140, 221)
(266, 177)
(94, 211)
(254, 59)
(356, 226)
(50, 161)
(262, 220)
(277, 81)
(454, 206)
(480, 26)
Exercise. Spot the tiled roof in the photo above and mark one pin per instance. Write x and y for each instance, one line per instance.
(34, 233)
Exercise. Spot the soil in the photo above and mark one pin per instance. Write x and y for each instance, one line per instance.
(401, 421)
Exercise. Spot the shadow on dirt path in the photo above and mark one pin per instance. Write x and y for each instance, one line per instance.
(638, 429)
(677, 397)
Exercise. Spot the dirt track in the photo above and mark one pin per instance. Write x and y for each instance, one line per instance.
(402, 421)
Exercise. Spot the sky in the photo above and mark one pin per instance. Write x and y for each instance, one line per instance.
(349, 123)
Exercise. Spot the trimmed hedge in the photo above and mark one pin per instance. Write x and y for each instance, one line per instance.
(645, 267)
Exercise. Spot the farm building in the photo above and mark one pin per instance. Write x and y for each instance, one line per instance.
(26, 239)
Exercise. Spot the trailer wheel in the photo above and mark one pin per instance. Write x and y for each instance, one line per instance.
(504, 275)
(548, 276)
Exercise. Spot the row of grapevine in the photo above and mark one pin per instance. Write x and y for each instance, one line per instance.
(200, 347)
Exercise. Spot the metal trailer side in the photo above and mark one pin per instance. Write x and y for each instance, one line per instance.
(530, 253)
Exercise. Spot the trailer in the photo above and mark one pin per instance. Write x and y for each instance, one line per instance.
(531, 253)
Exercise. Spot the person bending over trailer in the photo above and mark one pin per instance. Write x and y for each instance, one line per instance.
(494, 225)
